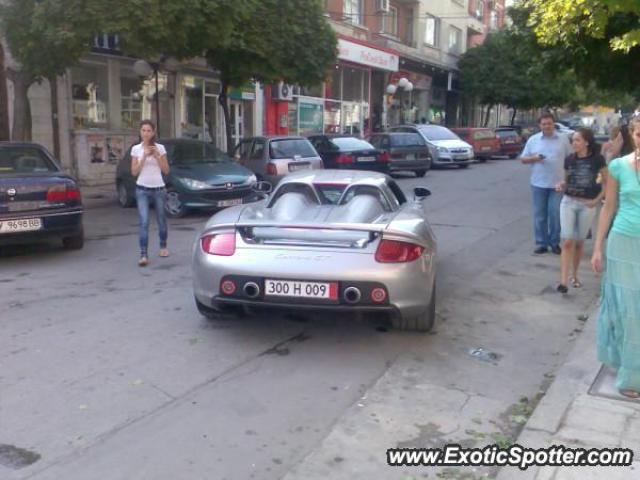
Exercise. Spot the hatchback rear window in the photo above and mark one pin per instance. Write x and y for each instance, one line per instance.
(406, 140)
(288, 148)
(24, 159)
(483, 134)
(350, 143)
(507, 133)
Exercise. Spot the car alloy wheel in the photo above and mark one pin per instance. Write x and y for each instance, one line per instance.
(173, 205)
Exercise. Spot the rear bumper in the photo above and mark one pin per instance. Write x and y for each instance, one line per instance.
(397, 165)
(210, 199)
(61, 224)
(487, 153)
(408, 285)
(369, 166)
(510, 149)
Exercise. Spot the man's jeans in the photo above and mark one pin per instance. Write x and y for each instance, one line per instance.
(546, 216)
(144, 197)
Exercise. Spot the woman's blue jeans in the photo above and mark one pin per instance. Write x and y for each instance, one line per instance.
(144, 197)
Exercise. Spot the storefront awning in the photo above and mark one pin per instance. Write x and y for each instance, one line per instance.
(367, 55)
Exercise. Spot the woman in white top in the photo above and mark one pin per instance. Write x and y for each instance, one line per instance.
(149, 163)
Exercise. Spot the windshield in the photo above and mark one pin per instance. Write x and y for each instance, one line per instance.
(350, 143)
(24, 159)
(184, 153)
(406, 140)
(288, 148)
(438, 133)
(330, 193)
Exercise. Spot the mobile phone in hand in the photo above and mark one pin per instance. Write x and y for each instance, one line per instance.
(541, 156)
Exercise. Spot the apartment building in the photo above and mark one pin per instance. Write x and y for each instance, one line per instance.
(397, 62)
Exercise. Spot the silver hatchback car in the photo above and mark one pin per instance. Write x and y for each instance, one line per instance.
(271, 158)
(330, 240)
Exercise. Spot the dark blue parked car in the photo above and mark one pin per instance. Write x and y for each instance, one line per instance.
(37, 199)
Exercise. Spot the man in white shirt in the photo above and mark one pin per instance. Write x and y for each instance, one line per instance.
(545, 152)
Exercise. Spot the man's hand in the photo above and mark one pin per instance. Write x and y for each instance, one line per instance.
(561, 186)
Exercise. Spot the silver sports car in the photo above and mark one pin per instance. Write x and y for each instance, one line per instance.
(323, 239)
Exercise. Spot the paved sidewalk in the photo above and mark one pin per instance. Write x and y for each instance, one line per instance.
(569, 415)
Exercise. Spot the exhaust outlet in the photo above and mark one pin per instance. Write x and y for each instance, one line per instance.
(352, 295)
(251, 289)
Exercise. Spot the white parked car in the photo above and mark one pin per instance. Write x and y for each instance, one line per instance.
(446, 147)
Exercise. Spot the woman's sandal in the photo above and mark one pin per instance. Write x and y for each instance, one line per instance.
(630, 394)
(575, 283)
(562, 288)
(164, 252)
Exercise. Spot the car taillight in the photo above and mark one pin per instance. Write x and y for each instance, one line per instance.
(344, 159)
(385, 157)
(393, 251)
(219, 244)
(272, 171)
(62, 193)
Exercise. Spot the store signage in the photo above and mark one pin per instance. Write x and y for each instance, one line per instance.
(310, 118)
(354, 52)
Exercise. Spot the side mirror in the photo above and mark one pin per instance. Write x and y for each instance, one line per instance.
(420, 193)
(262, 187)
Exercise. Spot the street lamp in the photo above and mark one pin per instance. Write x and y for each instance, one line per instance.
(144, 69)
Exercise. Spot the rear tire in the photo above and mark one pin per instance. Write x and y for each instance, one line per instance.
(513, 155)
(75, 242)
(466, 165)
(422, 322)
(214, 314)
(420, 173)
(124, 199)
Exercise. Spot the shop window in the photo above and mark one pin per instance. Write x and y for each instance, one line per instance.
(333, 86)
(90, 95)
(192, 114)
(311, 118)
(353, 84)
(431, 31)
(293, 118)
(332, 113)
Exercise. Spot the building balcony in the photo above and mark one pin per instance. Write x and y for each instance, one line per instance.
(406, 46)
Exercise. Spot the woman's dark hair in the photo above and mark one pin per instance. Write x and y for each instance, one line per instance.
(589, 137)
(153, 127)
(627, 143)
(633, 125)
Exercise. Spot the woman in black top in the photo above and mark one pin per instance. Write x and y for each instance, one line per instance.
(584, 175)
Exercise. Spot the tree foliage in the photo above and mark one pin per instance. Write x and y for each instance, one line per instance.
(287, 40)
(509, 69)
(569, 21)
(599, 39)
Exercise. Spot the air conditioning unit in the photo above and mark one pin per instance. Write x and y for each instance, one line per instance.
(282, 91)
(382, 6)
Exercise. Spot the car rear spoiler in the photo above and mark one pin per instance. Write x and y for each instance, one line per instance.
(345, 235)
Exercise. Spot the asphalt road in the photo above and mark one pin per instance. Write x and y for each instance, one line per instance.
(107, 371)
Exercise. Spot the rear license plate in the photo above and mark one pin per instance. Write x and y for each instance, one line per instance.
(410, 156)
(295, 289)
(484, 149)
(366, 159)
(20, 225)
(509, 142)
(294, 167)
(230, 202)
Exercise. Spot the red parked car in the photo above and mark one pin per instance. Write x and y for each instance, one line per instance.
(510, 141)
(484, 141)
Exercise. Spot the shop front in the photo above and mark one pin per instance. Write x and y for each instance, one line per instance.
(410, 102)
(107, 100)
(349, 101)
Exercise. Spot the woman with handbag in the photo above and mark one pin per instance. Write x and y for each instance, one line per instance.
(619, 317)
(148, 163)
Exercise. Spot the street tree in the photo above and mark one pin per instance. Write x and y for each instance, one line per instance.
(4, 102)
(287, 40)
(509, 69)
(44, 37)
(600, 39)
